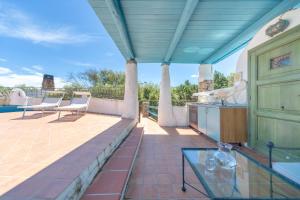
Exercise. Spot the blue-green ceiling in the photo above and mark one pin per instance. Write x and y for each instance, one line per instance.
(214, 30)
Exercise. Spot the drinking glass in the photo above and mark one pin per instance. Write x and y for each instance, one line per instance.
(210, 162)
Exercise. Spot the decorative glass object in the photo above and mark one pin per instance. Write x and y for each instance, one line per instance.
(210, 162)
(223, 156)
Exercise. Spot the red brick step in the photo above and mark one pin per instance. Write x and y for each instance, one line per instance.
(110, 183)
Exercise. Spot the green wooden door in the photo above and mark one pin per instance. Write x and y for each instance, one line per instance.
(274, 91)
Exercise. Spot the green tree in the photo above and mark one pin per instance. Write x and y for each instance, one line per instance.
(183, 93)
(69, 89)
(149, 92)
(93, 77)
(220, 81)
(110, 84)
(230, 79)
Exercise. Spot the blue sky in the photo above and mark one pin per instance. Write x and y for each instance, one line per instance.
(62, 37)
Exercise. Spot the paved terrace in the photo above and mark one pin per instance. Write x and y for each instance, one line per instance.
(34, 152)
(40, 156)
(157, 172)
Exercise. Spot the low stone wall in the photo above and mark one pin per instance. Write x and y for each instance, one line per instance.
(106, 106)
(115, 107)
(79, 185)
(97, 105)
(88, 158)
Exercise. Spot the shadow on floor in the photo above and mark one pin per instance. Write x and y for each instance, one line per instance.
(35, 115)
(55, 178)
(68, 118)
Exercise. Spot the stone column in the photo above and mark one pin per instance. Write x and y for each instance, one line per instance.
(165, 109)
(130, 109)
(205, 78)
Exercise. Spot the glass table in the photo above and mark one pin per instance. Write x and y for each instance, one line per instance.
(248, 180)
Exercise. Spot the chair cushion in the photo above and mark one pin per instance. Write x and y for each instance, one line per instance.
(288, 169)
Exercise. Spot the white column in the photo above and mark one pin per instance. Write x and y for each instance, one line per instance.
(130, 107)
(165, 109)
(205, 81)
(205, 72)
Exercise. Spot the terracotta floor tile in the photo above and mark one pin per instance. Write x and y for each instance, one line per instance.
(28, 147)
(164, 179)
(134, 191)
(165, 191)
(157, 168)
(118, 163)
(108, 182)
(101, 197)
(149, 192)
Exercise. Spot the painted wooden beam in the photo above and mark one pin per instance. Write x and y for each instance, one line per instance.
(245, 36)
(184, 19)
(119, 20)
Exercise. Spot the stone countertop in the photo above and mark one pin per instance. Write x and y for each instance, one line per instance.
(219, 105)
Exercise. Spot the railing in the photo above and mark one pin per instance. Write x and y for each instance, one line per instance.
(153, 112)
(109, 92)
(153, 108)
(286, 154)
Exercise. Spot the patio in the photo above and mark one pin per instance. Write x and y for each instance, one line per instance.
(46, 158)
(157, 172)
(37, 145)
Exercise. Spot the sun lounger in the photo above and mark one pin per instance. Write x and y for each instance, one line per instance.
(48, 102)
(77, 104)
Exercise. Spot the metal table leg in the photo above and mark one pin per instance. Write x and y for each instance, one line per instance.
(183, 181)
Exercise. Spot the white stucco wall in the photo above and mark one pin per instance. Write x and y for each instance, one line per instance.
(106, 106)
(293, 16)
(180, 114)
(238, 93)
(97, 105)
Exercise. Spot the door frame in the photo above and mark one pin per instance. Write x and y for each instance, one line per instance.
(289, 36)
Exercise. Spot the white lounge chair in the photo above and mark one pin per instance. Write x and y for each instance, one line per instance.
(48, 102)
(290, 165)
(77, 104)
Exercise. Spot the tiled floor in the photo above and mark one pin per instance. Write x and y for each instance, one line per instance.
(157, 172)
(109, 183)
(27, 146)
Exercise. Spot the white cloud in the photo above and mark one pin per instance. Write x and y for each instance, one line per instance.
(10, 79)
(194, 75)
(31, 71)
(14, 23)
(81, 64)
(4, 70)
(3, 60)
(37, 67)
(34, 80)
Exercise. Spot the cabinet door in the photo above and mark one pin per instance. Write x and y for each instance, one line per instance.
(193, 116)
(213, 123)
(202, 119)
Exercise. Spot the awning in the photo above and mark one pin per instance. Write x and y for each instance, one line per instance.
(185, 31)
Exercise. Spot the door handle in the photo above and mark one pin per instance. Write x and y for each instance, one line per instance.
(282, 107)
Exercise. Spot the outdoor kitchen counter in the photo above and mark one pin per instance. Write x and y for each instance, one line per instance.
(219, 105)
(226, 123)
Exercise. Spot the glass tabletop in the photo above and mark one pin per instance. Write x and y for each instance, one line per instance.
(248, 180)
